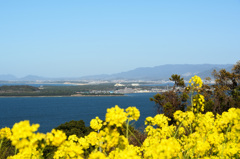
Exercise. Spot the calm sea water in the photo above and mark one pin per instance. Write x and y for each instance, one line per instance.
(50, 112)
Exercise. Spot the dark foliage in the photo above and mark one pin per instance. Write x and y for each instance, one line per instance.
(169, 102)
(6, 149)
(178, 81)
(17, 88)
(74, 127)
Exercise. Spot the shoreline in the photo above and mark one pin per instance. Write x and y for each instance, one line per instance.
(64, 96)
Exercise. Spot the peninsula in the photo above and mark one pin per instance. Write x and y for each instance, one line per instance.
(31, 91)
(88, 89)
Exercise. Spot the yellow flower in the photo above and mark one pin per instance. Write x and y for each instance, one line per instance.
(69, 149)
(23, 129)
(83, 142)
(196, 82)
(92, 138)
(132, 113)
(97, 155)
(116, 116)
(96, 124)
(186, 118)
(130, 151)
(5, 132)
(198, 103)
(56, 137)
(22, 132)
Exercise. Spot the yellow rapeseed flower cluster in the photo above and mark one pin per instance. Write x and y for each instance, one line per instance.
(194, 135)
(133, 113)
(116, 116)
(198, 100)
(198, 103)
(196, 82)
(5, 132)
(56, 137)
(26, 140)
(96, 124)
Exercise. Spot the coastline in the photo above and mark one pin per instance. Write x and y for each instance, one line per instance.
(64, 96)
(100, 95)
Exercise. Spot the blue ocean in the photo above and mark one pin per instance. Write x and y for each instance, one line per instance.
(50, 112)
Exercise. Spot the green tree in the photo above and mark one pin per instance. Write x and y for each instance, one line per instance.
(225, 93)
(169, 102)
(236, 68)
(225, 79)
(74, 127)
(178, 81)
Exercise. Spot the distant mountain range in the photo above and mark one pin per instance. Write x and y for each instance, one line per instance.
(162, 72)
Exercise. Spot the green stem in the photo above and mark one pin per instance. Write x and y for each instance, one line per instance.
(100, 148)
(178, 129)
(135, 137)
(42, 151)
(191, 128)
(192, 99)
(127, 129)
(15, 151)
(1, 143)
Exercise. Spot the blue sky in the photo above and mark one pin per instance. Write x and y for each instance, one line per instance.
(75, 38)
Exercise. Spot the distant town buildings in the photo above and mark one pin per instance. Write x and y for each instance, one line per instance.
(119, 85)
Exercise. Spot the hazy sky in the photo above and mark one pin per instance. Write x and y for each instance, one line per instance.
(60, 38)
